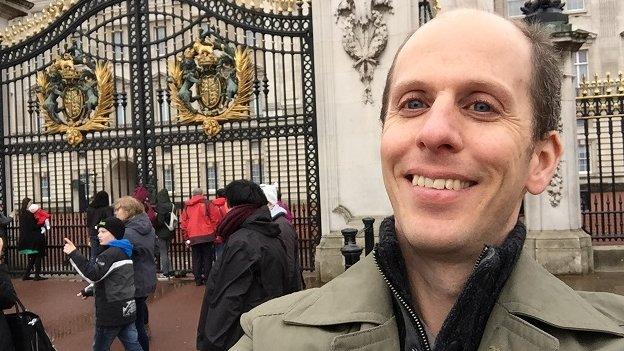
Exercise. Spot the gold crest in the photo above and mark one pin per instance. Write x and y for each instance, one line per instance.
(85, 91)
(220, 75)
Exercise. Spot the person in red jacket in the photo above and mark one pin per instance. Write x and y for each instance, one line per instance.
(219, 203)
(198, 223)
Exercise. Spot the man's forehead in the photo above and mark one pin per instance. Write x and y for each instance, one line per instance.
(472, 44)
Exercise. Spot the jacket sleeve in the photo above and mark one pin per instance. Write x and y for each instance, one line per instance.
(4, 219)
(7, 292)
(184, 223)
(221, 319)
(91, 271)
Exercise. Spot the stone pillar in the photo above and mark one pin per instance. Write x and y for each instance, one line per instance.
(553, 219)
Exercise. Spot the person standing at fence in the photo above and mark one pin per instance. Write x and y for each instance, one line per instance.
(165, 227)
(199, 232)
(5, 220)
(252, 270)
(32, 242)
(287, 235)
(142, 194)
(220, 204)
(97, 210)
(42, 217)
(140, 233)
(111, 278)
(282, 204)
(7, 300)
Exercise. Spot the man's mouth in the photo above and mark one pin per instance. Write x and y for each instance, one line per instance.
(440, 183)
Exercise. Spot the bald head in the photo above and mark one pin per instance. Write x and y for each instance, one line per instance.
(493, 43)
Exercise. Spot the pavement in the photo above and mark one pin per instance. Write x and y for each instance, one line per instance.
(174, 309)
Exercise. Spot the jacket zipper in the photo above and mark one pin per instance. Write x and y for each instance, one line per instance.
(421, 329)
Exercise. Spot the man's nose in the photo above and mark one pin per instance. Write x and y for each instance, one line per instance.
(439, 131)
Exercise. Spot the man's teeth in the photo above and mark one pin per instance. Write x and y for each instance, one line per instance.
(450, 184)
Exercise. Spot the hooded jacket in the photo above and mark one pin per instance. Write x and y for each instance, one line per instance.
(196, 221)
(289, 239)
(111, 279)
(140, 233)
(98, 210)
(163, 215)
(356, 311)
(252, 270)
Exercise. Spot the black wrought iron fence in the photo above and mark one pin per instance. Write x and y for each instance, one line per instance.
(145, 143)
(600, 123)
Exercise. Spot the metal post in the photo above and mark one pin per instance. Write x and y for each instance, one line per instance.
(351, 251)
(369, 234)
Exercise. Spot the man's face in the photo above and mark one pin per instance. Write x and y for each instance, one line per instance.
(456, 146)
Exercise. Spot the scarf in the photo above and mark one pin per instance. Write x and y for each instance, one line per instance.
(234, 219)
(467, 319)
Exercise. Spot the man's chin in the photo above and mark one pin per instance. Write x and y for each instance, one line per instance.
(436, 239)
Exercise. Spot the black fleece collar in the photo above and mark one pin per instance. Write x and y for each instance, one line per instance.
(466, 321)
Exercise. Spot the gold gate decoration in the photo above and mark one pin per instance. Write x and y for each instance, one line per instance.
(211, 83)
(85, 91)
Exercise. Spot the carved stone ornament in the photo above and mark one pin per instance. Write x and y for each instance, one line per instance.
(75, 95)
(534, 6)
(555, 188)
(211, 83)
(365, 36)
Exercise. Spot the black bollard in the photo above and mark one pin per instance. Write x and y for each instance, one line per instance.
(369, 234)
(351, 251)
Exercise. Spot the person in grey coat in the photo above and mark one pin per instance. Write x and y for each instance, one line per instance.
(141, 234)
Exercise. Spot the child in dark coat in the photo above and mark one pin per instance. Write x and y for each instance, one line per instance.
(111, 278)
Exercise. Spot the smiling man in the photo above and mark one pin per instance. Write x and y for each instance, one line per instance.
(469, 116)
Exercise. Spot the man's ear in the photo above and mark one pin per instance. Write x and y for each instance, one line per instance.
(544, 160)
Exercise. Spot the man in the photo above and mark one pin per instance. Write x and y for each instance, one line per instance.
(198, 231)
(469, 116)
(288, 237)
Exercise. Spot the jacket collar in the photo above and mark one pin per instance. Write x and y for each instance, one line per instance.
(359, 295)
(533, 292)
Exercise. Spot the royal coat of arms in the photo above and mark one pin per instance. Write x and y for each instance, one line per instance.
(75, 95)
(211, 83)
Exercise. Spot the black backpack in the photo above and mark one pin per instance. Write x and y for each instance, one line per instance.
(27, 330)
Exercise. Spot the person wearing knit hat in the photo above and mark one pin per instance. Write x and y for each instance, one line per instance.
(111, 281)
(114, 226)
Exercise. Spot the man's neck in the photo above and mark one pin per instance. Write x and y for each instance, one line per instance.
(435, 286)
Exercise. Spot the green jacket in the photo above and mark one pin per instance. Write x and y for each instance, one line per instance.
(534, 312)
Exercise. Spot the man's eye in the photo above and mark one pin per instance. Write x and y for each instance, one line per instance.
(414, 104)
(481, 106)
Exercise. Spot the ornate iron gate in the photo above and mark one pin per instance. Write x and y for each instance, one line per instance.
(600, 143)
(145, 144)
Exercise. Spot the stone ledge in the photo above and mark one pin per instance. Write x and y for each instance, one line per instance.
(561, 251)
(609, 258)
